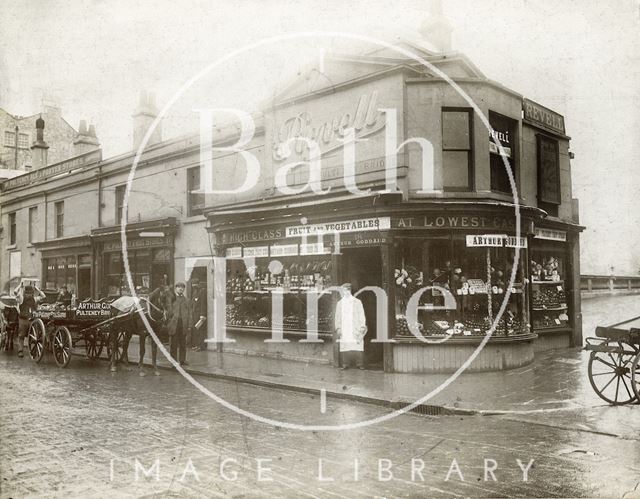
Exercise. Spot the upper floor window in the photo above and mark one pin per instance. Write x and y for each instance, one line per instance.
(195, 201)
(549, 193)
(23, 140)
(119, 201)
(502, 162)
(12, 228)
(10, 139)
(59, 211)
(457, 149)
(33, 222)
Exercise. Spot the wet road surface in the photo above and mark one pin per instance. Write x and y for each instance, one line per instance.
(79, 432)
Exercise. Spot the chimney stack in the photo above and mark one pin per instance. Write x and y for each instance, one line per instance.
(85, 140)
(437, 29)
(143, 117)
(39, 147)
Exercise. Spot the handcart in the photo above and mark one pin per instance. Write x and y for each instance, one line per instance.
(614, 363)
(59, 328)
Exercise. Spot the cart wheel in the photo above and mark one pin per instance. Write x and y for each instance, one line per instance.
(635, 376)
(62, 344)
(119, 346)
(610, 374)
(93, 345)
(36, 340)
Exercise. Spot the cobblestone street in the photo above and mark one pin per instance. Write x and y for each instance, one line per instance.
(78, 432)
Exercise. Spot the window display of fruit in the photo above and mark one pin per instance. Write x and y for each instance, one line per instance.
(402, 326)
(233, 318)
(548, 298)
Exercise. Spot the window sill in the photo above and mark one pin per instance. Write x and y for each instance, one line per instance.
(12, 246)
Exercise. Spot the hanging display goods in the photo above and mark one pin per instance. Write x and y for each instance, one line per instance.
(475, 270)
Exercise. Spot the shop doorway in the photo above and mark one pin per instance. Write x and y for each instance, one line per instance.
(84, 283)
(159, 275)
(363, 267)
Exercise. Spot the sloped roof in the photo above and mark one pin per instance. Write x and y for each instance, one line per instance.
(340, 68)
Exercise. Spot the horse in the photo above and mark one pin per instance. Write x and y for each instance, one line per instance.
(154, 309)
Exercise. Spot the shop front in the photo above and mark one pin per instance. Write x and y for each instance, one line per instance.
(149, 252)
(443, 272)
(555, 293)
(67, 262)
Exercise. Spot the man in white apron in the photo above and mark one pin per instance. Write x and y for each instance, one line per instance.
(351, 328)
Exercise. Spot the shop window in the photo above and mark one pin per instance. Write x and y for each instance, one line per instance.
(195, 200)
(33, 222)
(12, 229)
(119, 201)
(549, 285)
(457, 149)
(59, 212)
(23, 140)
(9, 139)
(140, 268)
(249, 292)
(549, 194)
(506, 132)
(60, 271)
(114, 274)
(476, 278)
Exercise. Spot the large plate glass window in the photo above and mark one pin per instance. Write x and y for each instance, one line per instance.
(476, 276)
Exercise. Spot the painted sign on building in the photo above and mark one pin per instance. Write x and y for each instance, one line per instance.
(543, 116)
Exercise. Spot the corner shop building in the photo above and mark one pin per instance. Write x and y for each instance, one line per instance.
(455, 228)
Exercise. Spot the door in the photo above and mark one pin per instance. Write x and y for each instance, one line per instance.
(84, 283)
(363, 267)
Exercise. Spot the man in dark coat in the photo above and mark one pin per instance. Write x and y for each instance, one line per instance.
(27, 298)
(198, 315)
(179, 324)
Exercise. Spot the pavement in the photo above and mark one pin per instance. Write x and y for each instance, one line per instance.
(86, 432)
(556, 380)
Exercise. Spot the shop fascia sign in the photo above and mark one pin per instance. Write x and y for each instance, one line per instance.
(454, 222)
(311, 237)
(137, 243)
(53, 170)
(550, 234)
(341, 227)
(543, 116)
(495, 241)
(364, 118)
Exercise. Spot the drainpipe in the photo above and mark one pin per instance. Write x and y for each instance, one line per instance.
(15, 166)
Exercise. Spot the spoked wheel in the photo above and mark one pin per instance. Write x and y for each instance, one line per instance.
(119, 345)
(36, 336)
(610, 373)
(635, 376)
(93, 344)
(62, 345)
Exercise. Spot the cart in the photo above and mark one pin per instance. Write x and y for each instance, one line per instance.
(59, 329)
(614, 363)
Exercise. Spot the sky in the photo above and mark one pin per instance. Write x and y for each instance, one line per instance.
(578, 57)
